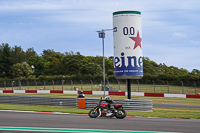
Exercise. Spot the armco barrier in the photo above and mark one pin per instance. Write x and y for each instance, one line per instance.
(33, 100)
(139, 105)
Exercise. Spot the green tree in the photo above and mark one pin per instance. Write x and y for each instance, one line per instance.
(29, 53)
(91, 69)
(21, 70)
(52, 66)
(18, 55)
(71, 64)
(150, 67)
(38, 63)
(6, 61)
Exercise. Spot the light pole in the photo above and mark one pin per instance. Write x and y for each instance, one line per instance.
(102, 35)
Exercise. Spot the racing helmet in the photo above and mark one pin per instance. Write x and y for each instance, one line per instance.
(107, 98)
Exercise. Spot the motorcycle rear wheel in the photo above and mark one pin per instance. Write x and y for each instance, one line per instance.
(93, 113)
(120, 114)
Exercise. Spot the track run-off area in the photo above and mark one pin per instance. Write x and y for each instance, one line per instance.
(30, 121)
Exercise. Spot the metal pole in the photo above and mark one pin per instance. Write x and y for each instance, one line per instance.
(12, 85)
(167, 86)
(91, 85)
(53, 84)
(182, 87)
(62, 83)
(118, 84)
(19, 85)
(4, 83)
(81, 84)
(153, 85)
(129, 88)
(138, 86)
(71, 84)
(36, 85)
(101, 84)
(44, 84)
(195, 85)
(104, 84)
(28, 85)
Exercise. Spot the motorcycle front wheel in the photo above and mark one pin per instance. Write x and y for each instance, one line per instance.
(120, 114)
(93, 113)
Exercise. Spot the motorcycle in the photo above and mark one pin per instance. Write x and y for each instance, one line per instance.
(102, 110)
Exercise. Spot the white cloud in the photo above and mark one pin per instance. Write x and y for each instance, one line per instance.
(178, 34)
(195, 42)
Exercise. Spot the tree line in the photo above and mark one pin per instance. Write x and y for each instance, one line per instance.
(17, 64)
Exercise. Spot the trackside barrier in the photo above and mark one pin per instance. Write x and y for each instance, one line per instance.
(81, 103)
(175, 95)
(138, 105)
(35, 100)
(106, 93)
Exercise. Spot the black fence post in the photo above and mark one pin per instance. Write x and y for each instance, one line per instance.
(128, 83)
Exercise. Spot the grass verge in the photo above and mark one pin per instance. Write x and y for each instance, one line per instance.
(157, 111)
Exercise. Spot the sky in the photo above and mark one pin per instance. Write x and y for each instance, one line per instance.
(170, 28)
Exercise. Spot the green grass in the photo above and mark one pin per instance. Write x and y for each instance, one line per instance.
(169, 113)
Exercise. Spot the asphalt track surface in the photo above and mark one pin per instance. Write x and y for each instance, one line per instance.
(77, 121)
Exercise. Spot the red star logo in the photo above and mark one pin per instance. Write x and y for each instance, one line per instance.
(137, 40)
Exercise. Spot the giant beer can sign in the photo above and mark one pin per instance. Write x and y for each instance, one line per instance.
(127, 35)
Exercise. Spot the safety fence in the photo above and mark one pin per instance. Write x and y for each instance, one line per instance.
(181, 87)
(137, 105)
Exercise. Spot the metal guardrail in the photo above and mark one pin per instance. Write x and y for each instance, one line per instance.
(34, 100)
(137, 105)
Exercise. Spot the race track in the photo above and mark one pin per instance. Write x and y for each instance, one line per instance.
(75, 121)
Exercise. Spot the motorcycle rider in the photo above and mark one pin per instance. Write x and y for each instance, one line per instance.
(81, 95)
(109, 102)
